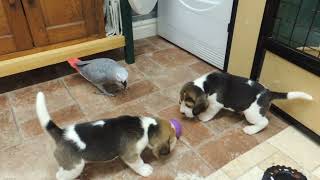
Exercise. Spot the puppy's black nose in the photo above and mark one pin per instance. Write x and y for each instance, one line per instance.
(164, 151)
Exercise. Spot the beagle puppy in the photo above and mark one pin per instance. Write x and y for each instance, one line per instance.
(103, 140)
(207, 95)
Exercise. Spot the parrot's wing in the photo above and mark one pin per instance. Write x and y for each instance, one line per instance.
(97, 72)
(98, 61)
(82, 63)
(101, 70)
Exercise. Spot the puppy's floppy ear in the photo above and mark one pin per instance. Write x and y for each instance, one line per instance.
(183, 90)
(161, 138)
(153, 130)
(201, 105)
(182, 95)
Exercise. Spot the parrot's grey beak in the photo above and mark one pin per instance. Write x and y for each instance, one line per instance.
(124, 83)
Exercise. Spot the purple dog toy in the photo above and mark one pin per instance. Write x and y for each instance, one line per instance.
(177, 126)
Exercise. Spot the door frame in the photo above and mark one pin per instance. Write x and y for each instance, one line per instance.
(289, 54)
(230, 35)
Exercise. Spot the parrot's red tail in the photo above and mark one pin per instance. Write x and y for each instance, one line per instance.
(73, 62)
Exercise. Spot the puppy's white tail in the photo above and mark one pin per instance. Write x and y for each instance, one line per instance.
(299, 95)
(291, 95)
(42, 111)
(45, 119)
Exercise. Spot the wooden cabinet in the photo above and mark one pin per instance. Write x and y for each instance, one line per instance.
(38, 33)
(26, 24)
(53, 21)
(14, 32)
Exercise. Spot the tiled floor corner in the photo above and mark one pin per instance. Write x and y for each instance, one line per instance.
(293, 143)
(217, 149)
(300, 153)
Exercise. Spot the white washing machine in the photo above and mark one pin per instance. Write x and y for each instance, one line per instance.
(198, 26)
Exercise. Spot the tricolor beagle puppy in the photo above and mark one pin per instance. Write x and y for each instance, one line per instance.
(207, 95)
(103, 140)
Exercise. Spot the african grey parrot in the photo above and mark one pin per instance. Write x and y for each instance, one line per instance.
(101, 71)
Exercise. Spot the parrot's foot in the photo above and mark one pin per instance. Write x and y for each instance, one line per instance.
(105, 94)
(103, 91)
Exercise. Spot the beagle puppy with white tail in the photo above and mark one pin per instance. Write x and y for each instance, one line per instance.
(103, 140)
(207, 95)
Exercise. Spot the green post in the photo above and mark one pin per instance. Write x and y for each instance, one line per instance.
(127, 31)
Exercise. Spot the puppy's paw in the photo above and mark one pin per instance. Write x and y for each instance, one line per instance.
(145, 170)
(250, 130)
(61, 175)
(204, 117)
(181, 109)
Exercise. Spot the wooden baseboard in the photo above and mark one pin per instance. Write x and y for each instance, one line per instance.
(54, 56)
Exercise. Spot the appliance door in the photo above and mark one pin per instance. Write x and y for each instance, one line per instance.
(199, 26)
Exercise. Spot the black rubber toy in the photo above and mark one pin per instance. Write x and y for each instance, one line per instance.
(282, 173)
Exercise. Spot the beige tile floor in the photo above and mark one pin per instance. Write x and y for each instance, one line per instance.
(289, 147)
(218, 146)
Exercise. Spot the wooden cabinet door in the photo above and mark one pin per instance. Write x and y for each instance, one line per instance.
(53, 21)
(14, 32)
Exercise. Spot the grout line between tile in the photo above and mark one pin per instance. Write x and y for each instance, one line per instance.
(14, 120)
(132, 101)
(152, 44)
(145, 96)
(134, 66)
(28, 140)
(207, 163)
(196, 152)
(315, 169)
(218, 136)
(61, 80)
(298, 163)
(196, 148)
(137, 100)
(149, 59)
(256, 163)
(150, 52)
(170, 105)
